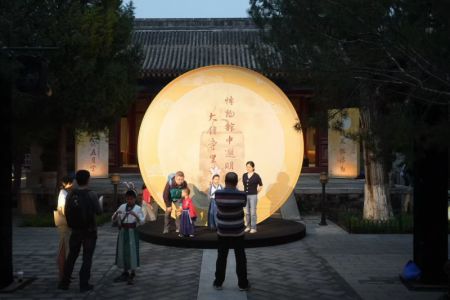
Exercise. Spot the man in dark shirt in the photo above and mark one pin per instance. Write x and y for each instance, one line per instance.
(172, 194)
(82, 205)
(230, 231)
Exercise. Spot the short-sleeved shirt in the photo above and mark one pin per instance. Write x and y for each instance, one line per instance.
(230, 215)
(251, 184)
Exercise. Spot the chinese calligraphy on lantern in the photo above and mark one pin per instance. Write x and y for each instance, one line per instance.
(229, 127)
(222, 143)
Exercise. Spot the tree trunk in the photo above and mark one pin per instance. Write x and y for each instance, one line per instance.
(376, 196)
(62, 155)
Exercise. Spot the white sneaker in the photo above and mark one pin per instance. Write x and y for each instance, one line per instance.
(253, 231)
(247, 229)
(178, 230)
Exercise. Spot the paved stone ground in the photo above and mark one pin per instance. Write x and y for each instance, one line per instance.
(165, 272)
(327, 264)
(294, 271)
(369, 263)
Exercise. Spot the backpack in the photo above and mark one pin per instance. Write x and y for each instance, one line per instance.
(79, 211)
(170, 178)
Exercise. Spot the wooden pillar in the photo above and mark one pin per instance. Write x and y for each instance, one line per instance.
(132, 138)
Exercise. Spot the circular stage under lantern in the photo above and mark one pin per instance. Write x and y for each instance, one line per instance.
(213, 120)
(272, 231)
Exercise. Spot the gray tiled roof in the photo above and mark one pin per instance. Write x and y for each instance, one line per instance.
(174, 46)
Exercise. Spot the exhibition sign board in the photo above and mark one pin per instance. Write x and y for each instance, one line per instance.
(91, 153)
(343, 149)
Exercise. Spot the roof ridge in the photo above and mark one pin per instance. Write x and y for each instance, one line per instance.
(194, 23)
(195, 29)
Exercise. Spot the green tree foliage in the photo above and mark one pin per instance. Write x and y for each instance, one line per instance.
(390, 58)
(92, 71)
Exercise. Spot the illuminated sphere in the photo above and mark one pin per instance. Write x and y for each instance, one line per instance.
(213, 120)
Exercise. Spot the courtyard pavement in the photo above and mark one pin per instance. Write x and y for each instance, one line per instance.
(327, 264)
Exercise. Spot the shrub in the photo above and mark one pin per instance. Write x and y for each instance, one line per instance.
(354, 223)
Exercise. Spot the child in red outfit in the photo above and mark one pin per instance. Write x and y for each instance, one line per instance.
(188, 215)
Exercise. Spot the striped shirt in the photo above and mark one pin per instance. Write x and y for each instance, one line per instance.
(230, 213)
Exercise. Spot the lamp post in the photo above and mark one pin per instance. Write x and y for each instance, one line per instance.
(115, 180)
(323, 181)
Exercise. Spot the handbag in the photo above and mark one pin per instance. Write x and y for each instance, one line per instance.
(60, 219)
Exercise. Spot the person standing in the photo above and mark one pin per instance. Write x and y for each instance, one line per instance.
(61, 224)
(82, 205)
(252, 186)
(172, 195)
(230, 231)
(150, 213)
(188, 215)
(212, 211)
(130, 215)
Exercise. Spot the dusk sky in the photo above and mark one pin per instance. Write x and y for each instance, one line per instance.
(190, 8)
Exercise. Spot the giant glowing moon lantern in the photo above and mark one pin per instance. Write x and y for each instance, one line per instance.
(213, 120)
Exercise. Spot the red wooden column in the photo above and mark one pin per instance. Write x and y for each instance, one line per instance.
(132, 136)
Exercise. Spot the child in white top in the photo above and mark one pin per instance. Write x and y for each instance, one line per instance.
(129, 216)
(212, 211)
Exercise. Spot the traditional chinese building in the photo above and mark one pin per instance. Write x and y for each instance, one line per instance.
(172, 47)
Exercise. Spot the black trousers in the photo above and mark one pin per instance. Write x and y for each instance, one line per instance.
(87, 239)
(224, 245)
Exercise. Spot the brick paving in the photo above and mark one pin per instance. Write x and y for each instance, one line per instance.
(165, 272)
(327, 264)
(294, 271)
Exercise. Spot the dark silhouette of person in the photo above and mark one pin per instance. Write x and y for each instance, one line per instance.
(230, 231)
(82, 205)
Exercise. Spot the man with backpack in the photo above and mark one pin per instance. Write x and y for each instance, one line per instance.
(82, 205)
(172, 194)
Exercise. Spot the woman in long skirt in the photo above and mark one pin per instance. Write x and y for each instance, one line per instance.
(61, 224)
(129, 215)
